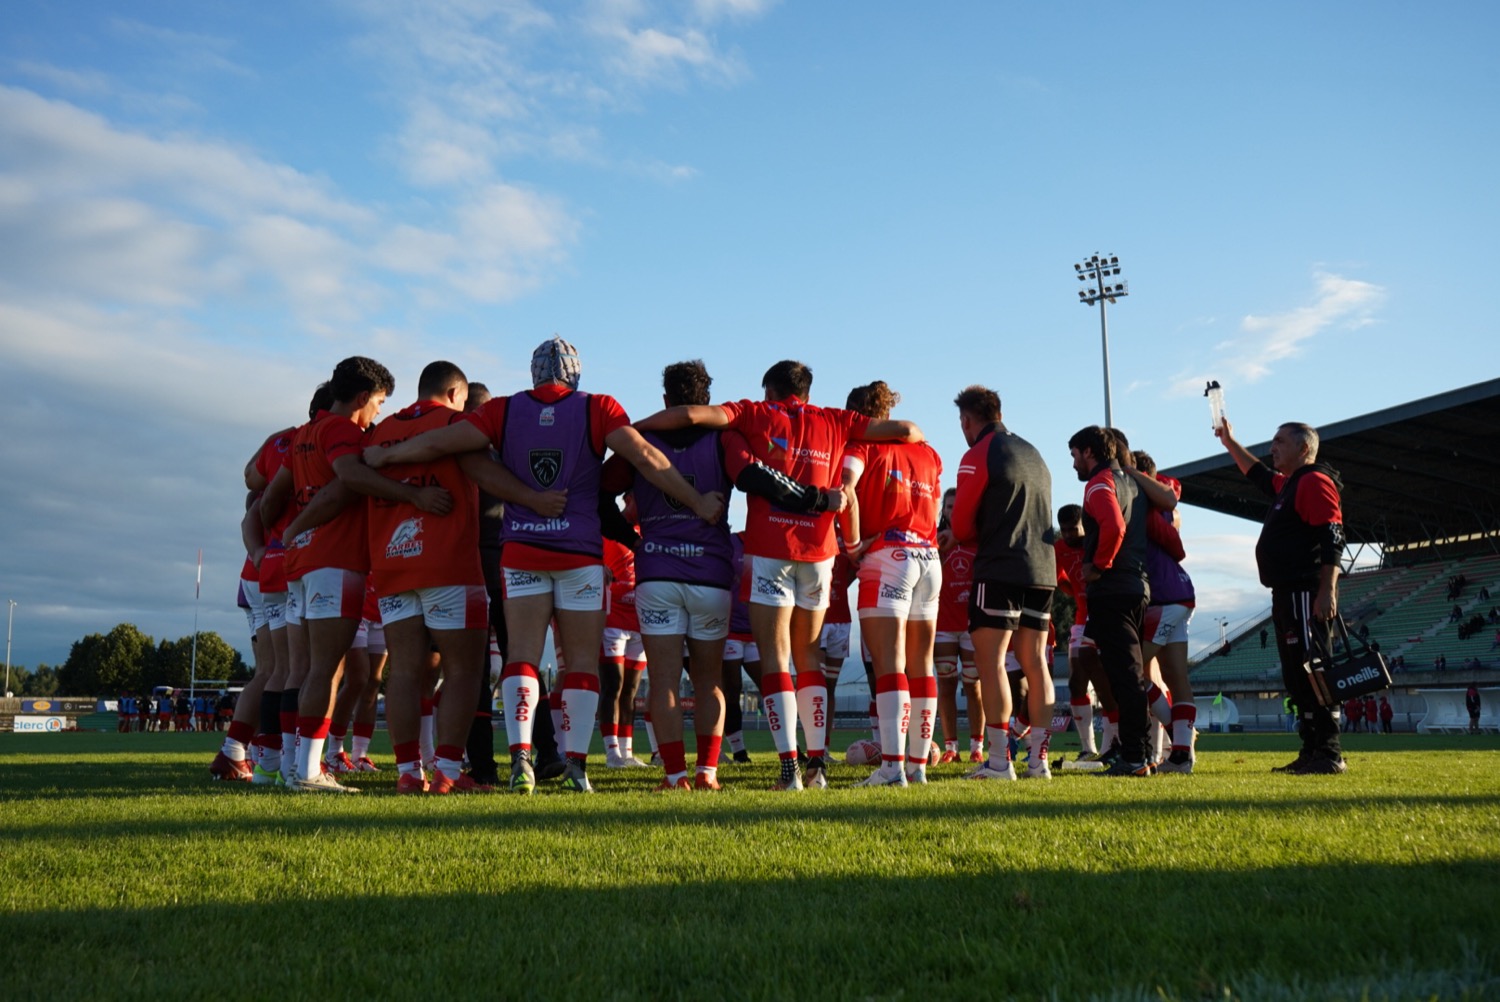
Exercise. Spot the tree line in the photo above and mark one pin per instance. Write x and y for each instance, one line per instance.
(127, 660)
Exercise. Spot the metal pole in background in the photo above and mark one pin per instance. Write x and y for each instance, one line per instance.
(1099, 268)
(10, 622)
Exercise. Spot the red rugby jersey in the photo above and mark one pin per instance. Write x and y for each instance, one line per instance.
(341, 542)
(806, 443)
(411, 548)
(898, 492)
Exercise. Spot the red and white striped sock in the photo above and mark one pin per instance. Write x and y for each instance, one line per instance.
(335, 745)
(709, 747)
(580, 703)
(626, 733)
(812, 711)
(1161, 704)
(1037, 743)
(312, 734)
(361, 742)
(610, 734)
(781, 708)
(1111, 732)
(736, 741)
(1184, 719)
(450, 761)
(236, 741)
(923, 712)
(519, 688)
(674, 760)
(893, 698)
(408, 758)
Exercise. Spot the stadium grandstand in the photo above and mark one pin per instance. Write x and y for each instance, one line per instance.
(1421, 491)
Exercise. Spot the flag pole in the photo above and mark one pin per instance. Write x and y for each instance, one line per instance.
(197, 594)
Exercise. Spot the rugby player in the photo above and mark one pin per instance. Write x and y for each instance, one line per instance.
(953, 647)
(791, 553)
(554, 436)
(896, 491)
(327, 563)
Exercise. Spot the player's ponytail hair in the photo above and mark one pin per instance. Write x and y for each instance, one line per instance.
(873, 400)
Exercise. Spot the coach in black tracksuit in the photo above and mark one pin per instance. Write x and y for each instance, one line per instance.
(1114, 568)
(1298, 556)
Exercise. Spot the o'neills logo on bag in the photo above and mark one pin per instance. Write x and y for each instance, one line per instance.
(546, 464)
(1366, 674)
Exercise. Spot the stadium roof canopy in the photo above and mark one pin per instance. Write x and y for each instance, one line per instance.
(1416, 476)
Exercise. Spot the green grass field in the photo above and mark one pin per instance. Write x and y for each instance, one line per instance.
(124, 872)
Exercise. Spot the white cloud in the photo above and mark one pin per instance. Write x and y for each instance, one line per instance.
(1338, 304)
(481, 83)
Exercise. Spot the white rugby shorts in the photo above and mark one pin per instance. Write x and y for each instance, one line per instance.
(578, 590)
(782, 583)
(695, 611)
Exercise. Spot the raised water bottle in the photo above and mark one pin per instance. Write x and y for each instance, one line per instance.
(1215, 396)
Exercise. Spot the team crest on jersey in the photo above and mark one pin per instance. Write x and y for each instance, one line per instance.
(406, 541)
(675, 504)
(548, 417)
(546, 465)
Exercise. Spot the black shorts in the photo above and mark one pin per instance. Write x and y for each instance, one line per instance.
(999, 606)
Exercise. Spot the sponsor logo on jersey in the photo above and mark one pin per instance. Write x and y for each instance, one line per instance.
(775, 446)
(892, 592)
(588, 591)
(675, 504)
(389, 605)
(895, 481)
(406, 540)
(548, 417)
(674, 549)
(546, 465)
(521, 579)
(550, 525)
(767, 586)
(715, 623)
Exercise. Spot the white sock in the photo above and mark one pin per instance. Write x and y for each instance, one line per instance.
(812, 713)
(1083, 718)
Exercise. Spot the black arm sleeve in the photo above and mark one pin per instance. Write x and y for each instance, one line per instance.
(1260, 475)
(781, 490)
(614, 525)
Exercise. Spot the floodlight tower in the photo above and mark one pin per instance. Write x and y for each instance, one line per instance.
(1104, 272)
(10, 622)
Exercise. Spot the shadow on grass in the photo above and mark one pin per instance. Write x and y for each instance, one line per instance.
(992, 933)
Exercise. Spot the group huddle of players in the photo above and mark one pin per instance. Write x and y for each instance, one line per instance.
(446, 540)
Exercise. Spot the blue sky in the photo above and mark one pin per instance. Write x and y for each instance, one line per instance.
(204, 206)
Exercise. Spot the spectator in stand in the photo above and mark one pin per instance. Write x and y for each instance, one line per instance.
(1456, 615)
(1473, 704)
(1484, 593)
(1495, 614)
(1265, 635)
(1387, 712)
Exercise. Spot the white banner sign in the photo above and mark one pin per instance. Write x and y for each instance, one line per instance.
(41, 725)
